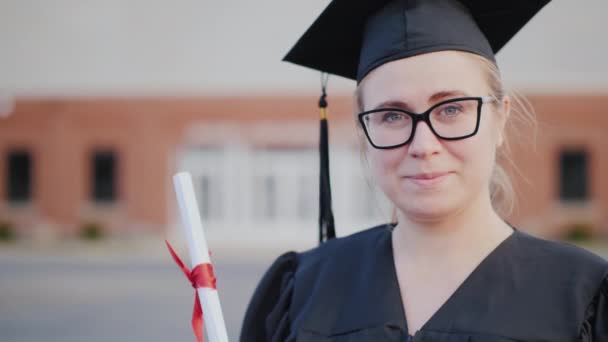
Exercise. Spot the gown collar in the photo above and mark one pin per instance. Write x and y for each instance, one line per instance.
(375, 298)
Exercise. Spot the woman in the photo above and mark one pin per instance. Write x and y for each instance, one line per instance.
(434, 112)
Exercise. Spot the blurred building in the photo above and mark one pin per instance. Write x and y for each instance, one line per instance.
(70, 162)
(113, 97)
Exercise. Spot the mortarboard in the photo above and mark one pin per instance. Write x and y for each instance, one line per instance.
(352, 37)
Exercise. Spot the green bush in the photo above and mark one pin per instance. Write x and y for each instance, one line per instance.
(6, 231)
(92, 231)
(579, 232)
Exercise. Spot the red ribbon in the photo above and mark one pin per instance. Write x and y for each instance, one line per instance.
(200, 276)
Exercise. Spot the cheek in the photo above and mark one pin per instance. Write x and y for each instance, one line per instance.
(385, 163)
(475, 155)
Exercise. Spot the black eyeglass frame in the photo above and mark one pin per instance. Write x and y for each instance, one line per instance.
(416, 117)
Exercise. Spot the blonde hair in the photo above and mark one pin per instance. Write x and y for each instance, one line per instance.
(520, 120)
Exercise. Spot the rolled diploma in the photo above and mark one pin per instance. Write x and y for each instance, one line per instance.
(199, 254)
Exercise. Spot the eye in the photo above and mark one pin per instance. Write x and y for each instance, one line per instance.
(450, 110)
(392, 117)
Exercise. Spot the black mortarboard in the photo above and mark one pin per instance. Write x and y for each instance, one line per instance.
(352, 37)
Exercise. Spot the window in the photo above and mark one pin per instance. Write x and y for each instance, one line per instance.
(104, 176)
(573, 175)
(210, 170)
(285, 184)
(267, 201)
(205, 200)
(308, 198)
(210, 197)
(19, 176)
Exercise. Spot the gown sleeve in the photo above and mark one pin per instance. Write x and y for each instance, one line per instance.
(267, 317)
(595, 326)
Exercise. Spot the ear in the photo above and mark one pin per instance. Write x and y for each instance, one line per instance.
(504, 110)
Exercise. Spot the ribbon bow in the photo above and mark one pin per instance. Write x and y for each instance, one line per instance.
(200, 276)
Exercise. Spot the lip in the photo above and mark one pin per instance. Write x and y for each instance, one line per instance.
(427, 179)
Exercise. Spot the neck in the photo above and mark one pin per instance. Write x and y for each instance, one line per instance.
(473, 230)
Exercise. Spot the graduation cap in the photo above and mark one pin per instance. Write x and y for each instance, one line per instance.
(352, 37)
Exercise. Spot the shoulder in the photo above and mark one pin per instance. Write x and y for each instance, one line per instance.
(294, 280)
(334, 250)
(555, 269)
(344, 250)
(335, 253)
(573, 280)
(540, 252)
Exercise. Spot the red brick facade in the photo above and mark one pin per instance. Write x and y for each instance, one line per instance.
(145, 133)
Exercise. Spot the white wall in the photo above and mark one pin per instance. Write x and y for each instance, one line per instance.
(106, 47)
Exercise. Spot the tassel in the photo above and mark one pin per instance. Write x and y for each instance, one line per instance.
(326, 217)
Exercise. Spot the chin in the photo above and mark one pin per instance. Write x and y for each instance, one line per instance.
(426, 216)
(428, 210)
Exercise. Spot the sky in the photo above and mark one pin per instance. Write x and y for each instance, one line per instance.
(235, 47)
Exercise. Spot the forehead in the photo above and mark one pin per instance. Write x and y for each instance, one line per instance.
(416, 79)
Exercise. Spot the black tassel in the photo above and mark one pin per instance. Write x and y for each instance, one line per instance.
(326, 217)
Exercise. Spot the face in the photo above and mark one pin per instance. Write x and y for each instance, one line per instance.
(430, 178)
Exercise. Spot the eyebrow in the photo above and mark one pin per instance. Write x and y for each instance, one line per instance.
(447, 94)
(436, 97)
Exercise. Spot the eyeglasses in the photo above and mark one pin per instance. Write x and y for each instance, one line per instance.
(452, 119)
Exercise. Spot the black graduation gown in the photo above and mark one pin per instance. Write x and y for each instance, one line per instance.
(527, 289)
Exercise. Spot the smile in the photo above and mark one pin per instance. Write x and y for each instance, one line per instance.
(427, 179)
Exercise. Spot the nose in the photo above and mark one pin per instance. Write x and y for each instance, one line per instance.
(424, 143)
